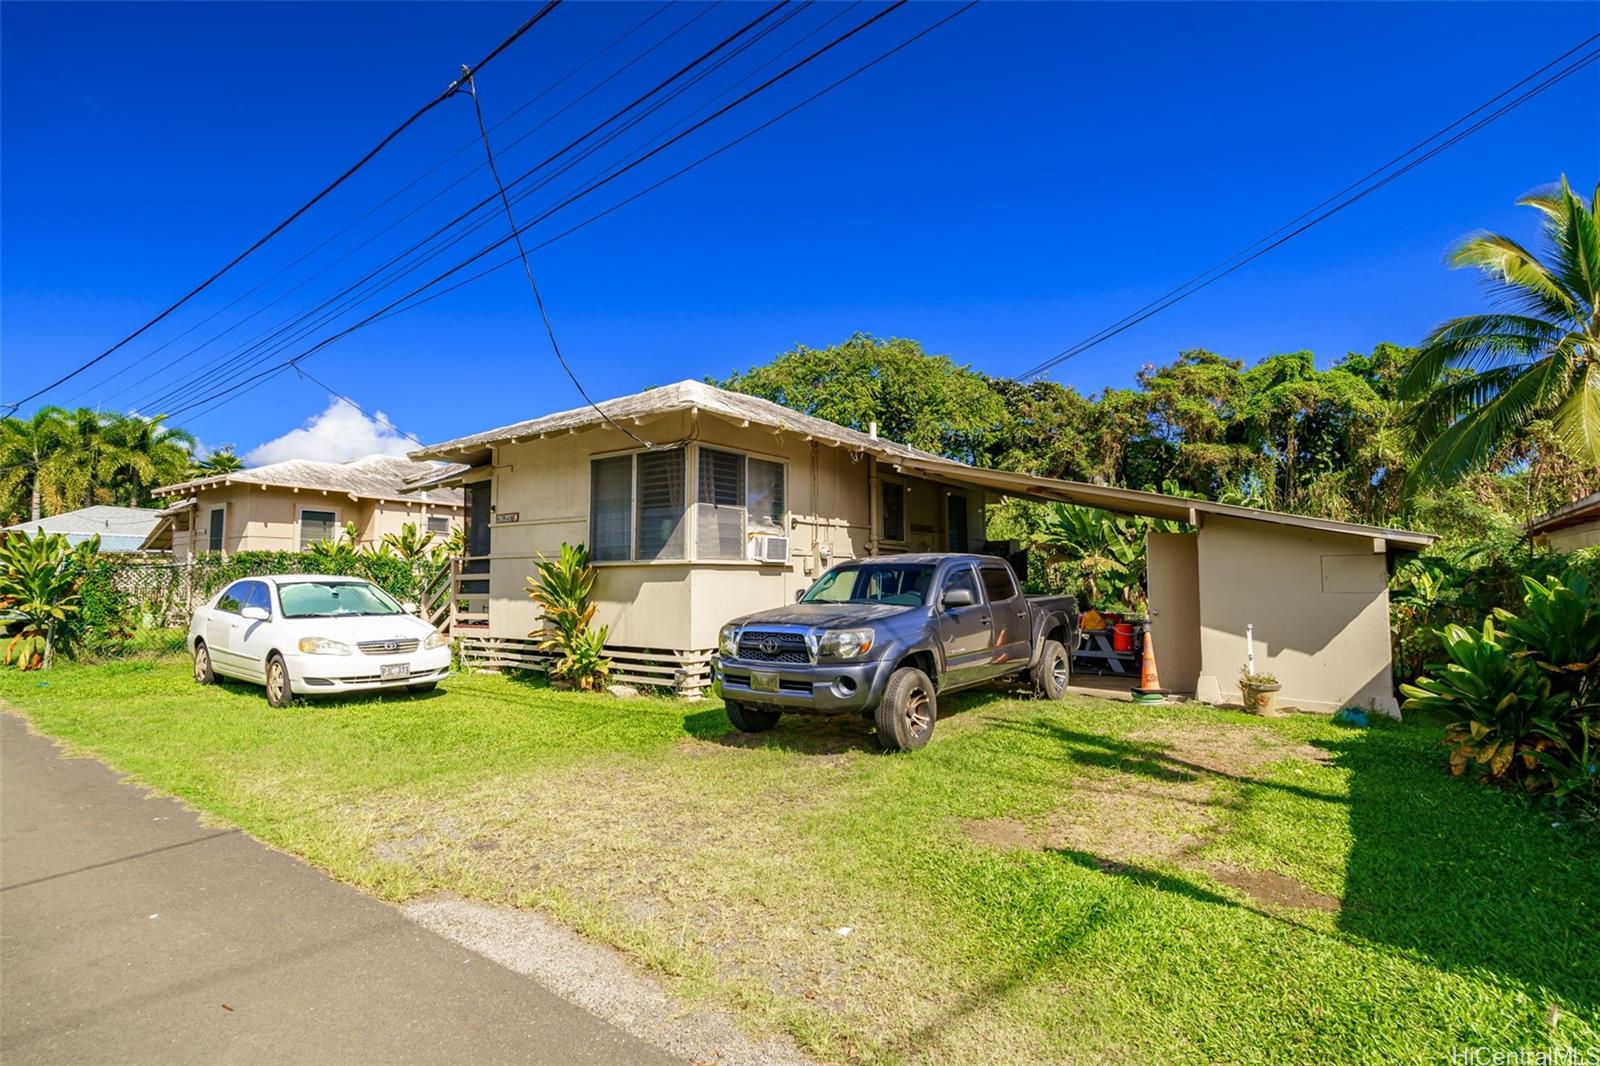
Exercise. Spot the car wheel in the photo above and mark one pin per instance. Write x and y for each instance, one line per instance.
(426, 686)
(203, 674)
(749, 720)
(909, 709)
(278, 691)
(1054, 672)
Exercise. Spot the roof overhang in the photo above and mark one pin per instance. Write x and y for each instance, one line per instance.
(1575, 513)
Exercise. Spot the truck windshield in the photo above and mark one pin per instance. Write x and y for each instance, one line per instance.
(905, 584)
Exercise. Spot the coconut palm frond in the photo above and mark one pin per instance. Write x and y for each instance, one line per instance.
(1517, 274)
(1577, 420)
(1466, 444)
(1476, 342)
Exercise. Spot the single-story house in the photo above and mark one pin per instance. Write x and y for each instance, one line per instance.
(120, 529)
(1566, 529)
(291, 505)
(699, 505)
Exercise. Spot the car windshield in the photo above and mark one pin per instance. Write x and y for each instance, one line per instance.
(334, 599)
(905, 584)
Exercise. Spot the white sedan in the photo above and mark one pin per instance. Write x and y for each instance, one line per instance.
(314, 635)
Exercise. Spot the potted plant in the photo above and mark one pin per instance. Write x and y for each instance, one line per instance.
(1260, 691)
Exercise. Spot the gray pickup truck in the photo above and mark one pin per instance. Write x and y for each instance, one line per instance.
(885, 637)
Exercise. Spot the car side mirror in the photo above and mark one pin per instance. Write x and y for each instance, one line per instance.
(799, 594)
(959, 598)
(256, 614)
(409, 606)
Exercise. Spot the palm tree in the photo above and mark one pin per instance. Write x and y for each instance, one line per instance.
(221, 461)
(1479, 381)
(139, 454)
(30, 451)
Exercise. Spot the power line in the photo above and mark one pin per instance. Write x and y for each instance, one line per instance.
(449, 91)
(199, 377)
(1254, 251)
(592, 187)
(527, 268)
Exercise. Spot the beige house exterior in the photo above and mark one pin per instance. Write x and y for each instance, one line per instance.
(287, 506)
(1566, 529)
(699, 505)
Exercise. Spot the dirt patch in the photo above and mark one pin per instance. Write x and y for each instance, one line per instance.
(1217, 748)
(1124, 820)
(1273, 889)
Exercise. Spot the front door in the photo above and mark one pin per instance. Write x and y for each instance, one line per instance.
(956, 523)
(251, 638)
(964, 632)
(221, 617)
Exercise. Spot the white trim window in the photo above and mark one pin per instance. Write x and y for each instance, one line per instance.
(737, 496)
(439, 524)
(637, 507)
(317, 526)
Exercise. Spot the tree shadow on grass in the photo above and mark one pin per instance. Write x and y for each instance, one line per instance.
(1467, 876)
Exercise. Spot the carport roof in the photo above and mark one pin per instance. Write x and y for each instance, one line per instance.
(698, 398)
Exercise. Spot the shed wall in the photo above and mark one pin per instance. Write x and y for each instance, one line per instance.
(1319, 603)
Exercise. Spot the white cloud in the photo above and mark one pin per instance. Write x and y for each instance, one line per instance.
(341, 432)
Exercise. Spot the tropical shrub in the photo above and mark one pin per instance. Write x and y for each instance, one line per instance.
(562, 588)
(1522, 697)
(40, 582)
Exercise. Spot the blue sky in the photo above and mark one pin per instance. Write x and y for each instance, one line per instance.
(997, 191)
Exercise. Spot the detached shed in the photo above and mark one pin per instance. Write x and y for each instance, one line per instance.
(739, 503)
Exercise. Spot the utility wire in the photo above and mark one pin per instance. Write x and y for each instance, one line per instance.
(450, 90)
(1254, 251)
(567, 201)
(199, 379)
(527, 268)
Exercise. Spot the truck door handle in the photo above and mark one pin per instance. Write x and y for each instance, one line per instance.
(983, 621)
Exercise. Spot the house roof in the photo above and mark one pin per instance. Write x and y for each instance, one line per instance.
(632, 411)
(376, 477)
(119, 528)
(1575, 513)
(696, 396)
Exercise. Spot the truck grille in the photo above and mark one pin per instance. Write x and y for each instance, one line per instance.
(398, 646)
(768, 646)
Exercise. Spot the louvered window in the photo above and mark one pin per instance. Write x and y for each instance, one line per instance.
(719, 511)
(661, 505)
(611, 509)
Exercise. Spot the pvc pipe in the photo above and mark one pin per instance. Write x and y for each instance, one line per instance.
(1250, 647)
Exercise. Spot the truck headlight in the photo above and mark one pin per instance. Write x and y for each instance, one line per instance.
(435, 639)
(728, 641)
(845, 643)
(323, 646)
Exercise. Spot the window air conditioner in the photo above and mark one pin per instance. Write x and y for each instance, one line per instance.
(769, 549)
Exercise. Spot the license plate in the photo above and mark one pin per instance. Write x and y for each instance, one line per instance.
(763, 681)
(393, 671)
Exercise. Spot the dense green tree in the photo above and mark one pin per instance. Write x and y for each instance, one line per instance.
(221, 461)
(56, 460)
(31, 463)
(1539, 358)
(926, 401)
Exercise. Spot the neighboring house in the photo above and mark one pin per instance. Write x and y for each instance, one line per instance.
(291, 505)
(120, 529)
(1566, 529)
(699, 505)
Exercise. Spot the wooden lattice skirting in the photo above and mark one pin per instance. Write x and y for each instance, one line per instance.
(688, 673)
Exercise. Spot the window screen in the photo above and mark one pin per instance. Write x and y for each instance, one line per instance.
(661, 505)
(316, 527)
(894, 511)
(440, 524)
(611, 508)
(998, 584)
(766, 495)
(719, 510)
(215, 532)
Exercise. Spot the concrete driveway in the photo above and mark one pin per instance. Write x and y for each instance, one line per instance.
(129, 932)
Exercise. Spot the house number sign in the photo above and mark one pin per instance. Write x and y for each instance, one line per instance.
(507, 516)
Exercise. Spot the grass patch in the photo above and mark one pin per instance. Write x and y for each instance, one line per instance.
(1047, 881)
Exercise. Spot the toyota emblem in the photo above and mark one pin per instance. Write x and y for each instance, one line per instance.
(389, 645)
(770, 646)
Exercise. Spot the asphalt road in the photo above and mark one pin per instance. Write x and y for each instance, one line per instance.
(129, 932)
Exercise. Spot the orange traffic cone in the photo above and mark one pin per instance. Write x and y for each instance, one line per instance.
(1149, 690)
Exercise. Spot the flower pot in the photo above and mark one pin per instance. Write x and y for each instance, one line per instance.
(1259, 699)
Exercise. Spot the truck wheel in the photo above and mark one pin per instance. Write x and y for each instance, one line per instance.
(1054, 672)
(749, 720)
(905, 717)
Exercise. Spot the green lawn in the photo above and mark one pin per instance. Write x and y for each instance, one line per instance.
(1048, 881)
